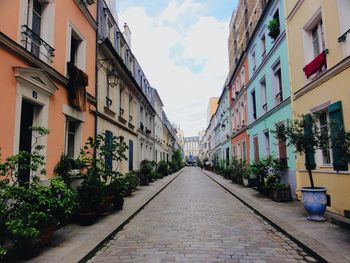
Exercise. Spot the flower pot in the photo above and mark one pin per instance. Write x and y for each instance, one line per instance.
(245, 182)
(118, 203)
(282, 194)
(252, 182)
(46, 234)
(28, 250)
(86, 218)
(105, 207)
(315, 202)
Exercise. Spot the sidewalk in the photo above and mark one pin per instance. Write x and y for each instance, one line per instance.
(73, 242)
(325, 239)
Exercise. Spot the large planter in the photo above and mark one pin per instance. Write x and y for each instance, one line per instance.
(87, 218)
(282, 194)
(118, 203)
(315, 202)
(245, 182)
(46, 234)
(105, 207)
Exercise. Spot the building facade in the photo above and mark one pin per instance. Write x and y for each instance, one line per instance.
(268, 91)
(48, 75)
(191, 147)
(317, 33)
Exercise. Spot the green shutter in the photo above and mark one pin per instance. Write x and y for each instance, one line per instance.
(310, 163)
(340, 162)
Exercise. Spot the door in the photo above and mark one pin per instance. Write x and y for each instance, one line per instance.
(25, 140)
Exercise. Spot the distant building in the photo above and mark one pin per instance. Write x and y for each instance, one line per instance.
(191, 146)
(212, 106)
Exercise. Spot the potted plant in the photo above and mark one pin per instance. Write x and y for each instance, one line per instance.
(281, 192)
(305, 135)
(274, 28)
(146, 167)
(89, 196)
(246, 174)
(119, 188)
(163, 168)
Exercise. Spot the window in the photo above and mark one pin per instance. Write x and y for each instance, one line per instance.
(131, 155)
(254, 61)
(234, 152)
(72, 141)
(267, 142)
(263, 95)
(35, 25)
(254, 104)
(110, 30)
(263, 45)
(244, 153)
(277, 17)
(76, 48)
(318, 38)
(277, 74)
(324, 129)
(130, 109)
(242, 77)
(121, 102)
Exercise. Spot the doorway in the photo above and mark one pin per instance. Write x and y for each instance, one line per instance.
(25, 140)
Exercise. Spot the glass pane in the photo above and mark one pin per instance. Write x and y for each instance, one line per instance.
(70, 146)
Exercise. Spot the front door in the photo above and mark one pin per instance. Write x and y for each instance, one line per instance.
(25, 139)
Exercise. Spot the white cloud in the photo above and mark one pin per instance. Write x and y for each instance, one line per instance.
(188, 76)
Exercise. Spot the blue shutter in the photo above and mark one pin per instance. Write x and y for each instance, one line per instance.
(131, 155)
(108, 156)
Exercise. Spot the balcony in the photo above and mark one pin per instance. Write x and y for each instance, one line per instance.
(36, 45)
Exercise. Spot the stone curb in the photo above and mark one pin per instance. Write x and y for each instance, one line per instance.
(86, 244)
(318, 250)
(100, 243)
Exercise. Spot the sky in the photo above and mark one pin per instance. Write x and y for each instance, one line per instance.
(181, 46)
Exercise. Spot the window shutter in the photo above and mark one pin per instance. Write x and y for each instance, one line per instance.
(131, 155)
(256, 149)
(336, 118)
(310, 153)
(108, 156)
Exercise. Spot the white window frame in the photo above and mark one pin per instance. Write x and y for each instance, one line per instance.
(81, 52)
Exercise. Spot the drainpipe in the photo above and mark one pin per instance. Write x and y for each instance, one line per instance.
(96, 71)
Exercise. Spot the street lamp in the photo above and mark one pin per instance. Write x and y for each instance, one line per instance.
(112, 78)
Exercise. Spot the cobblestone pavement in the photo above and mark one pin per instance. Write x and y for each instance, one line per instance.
(194, 220)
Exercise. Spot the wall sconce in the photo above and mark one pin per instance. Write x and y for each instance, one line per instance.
(112, 78)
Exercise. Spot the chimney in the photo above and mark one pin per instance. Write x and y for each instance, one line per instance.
(127, 34)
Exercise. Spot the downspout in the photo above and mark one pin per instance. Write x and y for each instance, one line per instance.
(96, 72)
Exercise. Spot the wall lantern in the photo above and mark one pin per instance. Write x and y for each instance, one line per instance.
(112, 78)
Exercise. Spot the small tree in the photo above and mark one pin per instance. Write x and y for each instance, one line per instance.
(304, 134)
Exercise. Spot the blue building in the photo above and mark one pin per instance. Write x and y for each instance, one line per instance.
(268, 90)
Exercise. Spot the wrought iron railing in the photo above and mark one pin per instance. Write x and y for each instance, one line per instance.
(34, 42)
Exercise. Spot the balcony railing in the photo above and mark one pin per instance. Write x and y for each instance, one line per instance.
(34, 42)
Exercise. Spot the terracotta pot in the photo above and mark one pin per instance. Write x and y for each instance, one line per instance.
(46, 234)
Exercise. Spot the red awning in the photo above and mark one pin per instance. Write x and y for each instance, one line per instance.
(316, 64)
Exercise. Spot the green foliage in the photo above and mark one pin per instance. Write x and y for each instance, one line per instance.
(340, 140)
(163, 168)
(65, 165)
(89, 193)
(267, 169)
(131, 180)
(274, 28)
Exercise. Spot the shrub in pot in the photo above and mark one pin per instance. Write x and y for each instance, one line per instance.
(146, 167)
(304, 134)
(163, 168)
(281, 193)
(131, 181)
(89, 196)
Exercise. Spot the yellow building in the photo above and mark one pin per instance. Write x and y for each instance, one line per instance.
(319, 61)
(212, 106)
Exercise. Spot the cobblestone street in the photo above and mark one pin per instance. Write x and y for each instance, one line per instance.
(195, 220)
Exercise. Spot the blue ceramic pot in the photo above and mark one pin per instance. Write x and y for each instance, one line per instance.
(315, 202)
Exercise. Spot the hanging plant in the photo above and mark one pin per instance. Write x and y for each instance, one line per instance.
(274, 28)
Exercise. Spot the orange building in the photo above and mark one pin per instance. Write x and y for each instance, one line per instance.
(37, 40)
(238, 110)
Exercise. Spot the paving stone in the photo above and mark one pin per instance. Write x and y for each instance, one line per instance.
(195, 220)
